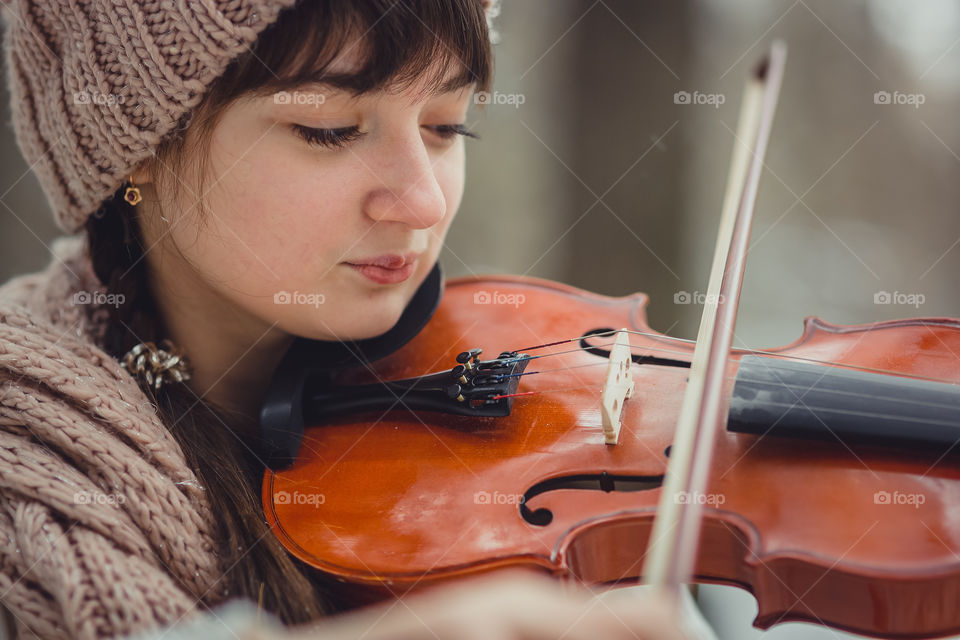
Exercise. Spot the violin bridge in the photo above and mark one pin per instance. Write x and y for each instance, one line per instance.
(617, 387)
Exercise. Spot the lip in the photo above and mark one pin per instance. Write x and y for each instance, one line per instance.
(389, 268)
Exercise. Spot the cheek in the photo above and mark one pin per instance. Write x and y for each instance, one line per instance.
(275, 221)
(449, 171)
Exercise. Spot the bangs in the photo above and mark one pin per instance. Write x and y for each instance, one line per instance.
(396, 42)
(393, 43)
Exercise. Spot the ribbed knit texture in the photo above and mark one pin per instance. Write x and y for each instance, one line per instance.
(96, 84)
(104, 529)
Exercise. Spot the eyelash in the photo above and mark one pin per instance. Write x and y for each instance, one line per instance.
(339, 138)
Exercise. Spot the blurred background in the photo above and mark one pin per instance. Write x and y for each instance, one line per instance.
(605, 178)
(604, 156)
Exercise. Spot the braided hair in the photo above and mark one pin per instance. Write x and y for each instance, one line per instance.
(226, 468)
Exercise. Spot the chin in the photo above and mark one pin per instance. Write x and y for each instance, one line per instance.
(368, 327)
(370, 313)
(367, 321)
(375, 315)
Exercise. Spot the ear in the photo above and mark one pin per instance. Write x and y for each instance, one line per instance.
(142, 173)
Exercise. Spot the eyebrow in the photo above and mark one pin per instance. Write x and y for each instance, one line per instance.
(354, 83)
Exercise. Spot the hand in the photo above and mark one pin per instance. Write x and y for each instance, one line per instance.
(504, 605)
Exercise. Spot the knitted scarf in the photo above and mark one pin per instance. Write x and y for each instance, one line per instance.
(104, 530)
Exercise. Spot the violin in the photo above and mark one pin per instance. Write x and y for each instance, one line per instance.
(827, 490)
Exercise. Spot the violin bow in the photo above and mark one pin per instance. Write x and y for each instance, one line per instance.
(672, 549)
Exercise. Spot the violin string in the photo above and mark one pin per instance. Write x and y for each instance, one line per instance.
(782, 385)
(771, 354)
(540, 391)
(861, 414)
(838, 392)
(579, 349)
(811, 408)
(530, 373)
(552, 344)
(804, 389)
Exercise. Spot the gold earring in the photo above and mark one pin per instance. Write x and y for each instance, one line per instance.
(132, 194)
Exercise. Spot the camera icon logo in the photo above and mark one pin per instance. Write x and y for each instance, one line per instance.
(882, 297)
(481, 97)
(282, 297)
(681, 97)
(881, 97)
(482, 297)
(681, 297)
(881, 497)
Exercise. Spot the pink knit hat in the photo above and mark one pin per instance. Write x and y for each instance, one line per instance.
(96, 84)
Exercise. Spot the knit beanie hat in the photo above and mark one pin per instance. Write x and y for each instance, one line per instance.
(95, 85)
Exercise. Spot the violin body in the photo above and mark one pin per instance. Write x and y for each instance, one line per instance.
(862, 537)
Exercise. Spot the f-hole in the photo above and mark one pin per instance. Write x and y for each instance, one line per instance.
(585, 482)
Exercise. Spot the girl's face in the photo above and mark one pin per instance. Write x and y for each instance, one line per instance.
(325, 242)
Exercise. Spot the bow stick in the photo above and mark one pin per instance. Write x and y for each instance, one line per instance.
(672, 549)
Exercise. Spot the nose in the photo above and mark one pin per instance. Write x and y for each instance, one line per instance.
(407, 189)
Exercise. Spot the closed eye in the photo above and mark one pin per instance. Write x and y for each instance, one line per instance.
(447, 131)
(339, 138)
(330, 138)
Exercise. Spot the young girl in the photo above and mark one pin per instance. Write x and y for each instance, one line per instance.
(241, 173)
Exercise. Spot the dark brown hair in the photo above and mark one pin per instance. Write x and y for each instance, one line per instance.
(398, 41)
